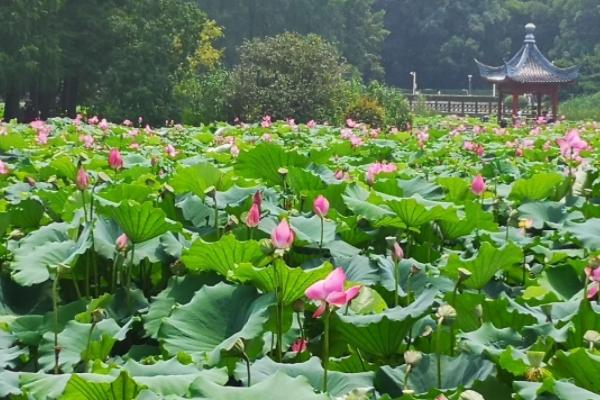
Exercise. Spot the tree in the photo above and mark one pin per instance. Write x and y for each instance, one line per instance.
(288, 76)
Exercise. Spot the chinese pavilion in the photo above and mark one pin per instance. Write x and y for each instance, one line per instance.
(528, 72)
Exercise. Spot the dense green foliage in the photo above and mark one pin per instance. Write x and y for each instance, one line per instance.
(146, 274)
(582, 108)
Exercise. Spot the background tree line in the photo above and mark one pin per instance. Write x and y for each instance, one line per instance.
(165, 58)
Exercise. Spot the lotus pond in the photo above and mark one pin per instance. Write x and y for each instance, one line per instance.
(292, 261)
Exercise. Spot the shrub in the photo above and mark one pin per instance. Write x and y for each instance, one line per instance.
(583, 107)
(397, 109)
(288, 75)
(205, 98)
(368, 111)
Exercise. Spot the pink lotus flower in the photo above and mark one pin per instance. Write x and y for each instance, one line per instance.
(133, 132)
(594, 276)
(148, 130)
(330, 292)
(127, 123)
(170, 151)
(356, 141)
(3, 168)
(87, 140)
(478, 185)
(257, 199)
(282, 235)
(235, 151)
(93, 121)
(266, 121)
(378, 168)
(321, 206)
(115, 160)
(468, 146)
(134, 146)
(300, 345)
(477, 129)
(42, 137)
(341, 175)
(397, 252)
(292, 123)
(122, 242)
(346, 133)
(311, 124)
(103, 124)
(266, 138)
(37, 125)
(350, 123)
(571, 144)
(253, 217)
(83, 179)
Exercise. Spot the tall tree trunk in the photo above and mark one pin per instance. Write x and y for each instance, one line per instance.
(11, 103)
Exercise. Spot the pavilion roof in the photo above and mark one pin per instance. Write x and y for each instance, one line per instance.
(529, 65)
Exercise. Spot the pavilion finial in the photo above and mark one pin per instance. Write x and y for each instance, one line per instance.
(530, 36)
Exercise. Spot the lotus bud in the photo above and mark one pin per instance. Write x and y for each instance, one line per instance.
(478, 185)
(321, 206)
(239, 346)
(115, 160)
(210, 191)
(397, 252)
(122, 242)
(83, 179)
(253, 216)
(412, 357)
(282, 236)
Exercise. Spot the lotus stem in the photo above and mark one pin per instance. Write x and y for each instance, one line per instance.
(247, 361)
(439, 354)
(325, 348)
(89, 339)
(55, 307)
(396, 283)
(322, 229)
(279, 315)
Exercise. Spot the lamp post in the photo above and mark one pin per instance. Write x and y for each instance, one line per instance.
(414, 89)
(470, 81)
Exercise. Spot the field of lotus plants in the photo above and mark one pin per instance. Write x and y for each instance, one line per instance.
(455, 260)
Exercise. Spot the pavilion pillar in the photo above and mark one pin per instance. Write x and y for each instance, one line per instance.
(555, 98)
(500, 104)
(515, 106)
(539, 105)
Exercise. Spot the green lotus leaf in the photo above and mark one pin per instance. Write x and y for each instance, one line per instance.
(579, 366)
(457, 372)
(120, 388)
(588, 232)
(171, 377)
(356, 199)
(48, 247)
(413, 212)
(292, 281)
(338, 383)
(491, 340)
(214, 320)
(197, 178)
(126, 191)
(221, 256)
(271, 158)
(561, 389)
(538, 187)
(272, 388)
(382, 334)
(140, 222)
(475, 218)
(485, 264)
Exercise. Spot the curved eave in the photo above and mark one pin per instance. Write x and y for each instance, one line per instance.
(492, 74)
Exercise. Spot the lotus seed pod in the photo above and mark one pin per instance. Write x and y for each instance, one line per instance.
(535, 358)
(471, 395)
(412, 357)
(592, 337)
(464, 274)
(446, 313)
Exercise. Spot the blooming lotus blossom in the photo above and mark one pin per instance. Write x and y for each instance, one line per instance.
(571, 145)
(127, 123)
(266, 121)
(266, 138)
(292, 123)
(321, 206)
(37, 124)
(93, 120)
(535, 131)
(170, 151)
(115, 160)
(282, 235)
(341, 175)
(3, 168)
(468, 145)
(77, 120)
(83, 179)
(378, 168)
(148, 130)
(134, 146)
(253, 217)
(300, 345)
(350, 123)
(133, 132)
(346, 133)
(330, 292)
(394, 130)
(87, 140)
(541, 120)
(499, 131)
(311, 124)
(478, 185)
(356, 141)
(593, 274)
(477, 129)
(103, 124)
(374, 133)
(122, 242)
